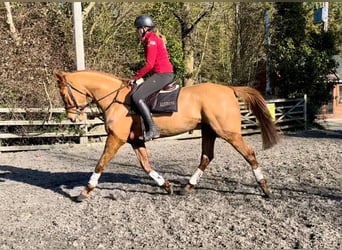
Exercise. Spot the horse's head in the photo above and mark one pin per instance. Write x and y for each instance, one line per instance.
(75, 100)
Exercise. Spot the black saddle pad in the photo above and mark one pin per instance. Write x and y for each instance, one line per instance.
(164, 101)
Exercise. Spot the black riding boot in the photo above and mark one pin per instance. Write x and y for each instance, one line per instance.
(152, 131)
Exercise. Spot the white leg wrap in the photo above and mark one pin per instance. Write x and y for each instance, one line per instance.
(94, 179)
(258, 175)
(157, 177)
(196, 176)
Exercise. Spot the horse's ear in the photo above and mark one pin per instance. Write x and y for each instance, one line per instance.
(60, 75)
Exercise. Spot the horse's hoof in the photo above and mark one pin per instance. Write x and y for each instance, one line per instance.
(83, 196)
(188, 188)
(269, 195)
(168, 187)
(266, 189)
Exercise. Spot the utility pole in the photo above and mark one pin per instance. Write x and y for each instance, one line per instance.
(79, 48)
(267, 44)
(326, 16)
(78, 35)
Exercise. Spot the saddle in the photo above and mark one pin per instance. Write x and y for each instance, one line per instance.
(165, 100)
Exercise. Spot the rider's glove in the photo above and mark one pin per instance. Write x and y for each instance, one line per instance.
(131, 82)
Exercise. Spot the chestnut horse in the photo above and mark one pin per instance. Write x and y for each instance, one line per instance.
(212, 107)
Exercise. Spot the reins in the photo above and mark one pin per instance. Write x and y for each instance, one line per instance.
(117, 91)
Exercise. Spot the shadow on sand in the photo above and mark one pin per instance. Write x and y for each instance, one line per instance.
(317, 134)
(68, 180)
(55, 180)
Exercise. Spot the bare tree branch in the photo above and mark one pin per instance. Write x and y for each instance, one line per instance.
(204, 50)
(204, 13)
(87, 10)
(10, 22)
(186, 26)
(183, 15)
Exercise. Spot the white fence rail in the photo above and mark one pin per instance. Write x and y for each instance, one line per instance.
(34, 128)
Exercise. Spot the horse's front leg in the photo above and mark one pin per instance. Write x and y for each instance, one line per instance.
(112, 145)
(142, 155)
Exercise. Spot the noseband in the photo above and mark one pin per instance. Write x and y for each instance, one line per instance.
(79, 108)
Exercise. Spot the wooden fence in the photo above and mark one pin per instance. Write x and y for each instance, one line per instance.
(34, 128)
(287, 114)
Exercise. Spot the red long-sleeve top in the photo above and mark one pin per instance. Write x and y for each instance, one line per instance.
(156, 56)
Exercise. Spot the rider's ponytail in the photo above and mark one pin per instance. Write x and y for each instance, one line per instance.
(160, 35)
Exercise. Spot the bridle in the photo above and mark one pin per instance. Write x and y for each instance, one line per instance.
(81, 108)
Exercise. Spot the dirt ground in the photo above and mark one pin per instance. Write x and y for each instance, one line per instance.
(128, 211)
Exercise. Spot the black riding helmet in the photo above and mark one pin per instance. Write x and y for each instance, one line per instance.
(144, 21)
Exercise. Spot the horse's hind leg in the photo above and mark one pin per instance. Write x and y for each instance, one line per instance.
(237, 141)
(208, 142)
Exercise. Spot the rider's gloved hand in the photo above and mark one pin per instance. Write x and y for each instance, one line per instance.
(131, 82)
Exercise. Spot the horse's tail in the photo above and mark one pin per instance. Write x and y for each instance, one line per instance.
(257, 104)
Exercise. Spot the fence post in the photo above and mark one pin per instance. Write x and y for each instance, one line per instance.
(305, 116)
(272, 108)
(84, 131)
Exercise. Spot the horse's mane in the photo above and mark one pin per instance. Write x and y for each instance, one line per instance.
(107, 74)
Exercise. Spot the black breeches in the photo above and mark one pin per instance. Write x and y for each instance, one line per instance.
(151, 85)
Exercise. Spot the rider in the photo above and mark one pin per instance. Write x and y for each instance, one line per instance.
(157, 63)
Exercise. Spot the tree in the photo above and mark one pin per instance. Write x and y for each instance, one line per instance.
(10, 22)
(301, 57)
(335, 23)
(188, 23)
(247, 43)
(45, 30)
